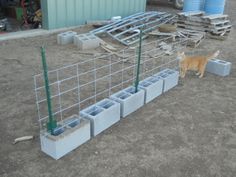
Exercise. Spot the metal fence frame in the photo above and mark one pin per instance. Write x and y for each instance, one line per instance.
(125, 64)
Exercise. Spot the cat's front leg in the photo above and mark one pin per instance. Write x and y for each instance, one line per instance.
(182, 74)
(202, 73)
(198, 73)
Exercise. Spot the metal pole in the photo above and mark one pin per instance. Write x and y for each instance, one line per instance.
(52, 124)
(139, 61)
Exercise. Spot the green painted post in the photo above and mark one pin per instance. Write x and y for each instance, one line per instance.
(52, 124)
(139, 61)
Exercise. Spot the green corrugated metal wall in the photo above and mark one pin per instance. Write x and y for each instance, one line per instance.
(66, 13)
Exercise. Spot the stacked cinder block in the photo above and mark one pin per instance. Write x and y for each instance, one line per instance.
(170, 78)
(153, 87)
(102, 115)
(66, 37)
(129, 100)
(69, 135)
(86, 41)
(218, 67)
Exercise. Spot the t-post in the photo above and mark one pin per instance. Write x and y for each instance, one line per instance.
(139, 60)
(51, 124)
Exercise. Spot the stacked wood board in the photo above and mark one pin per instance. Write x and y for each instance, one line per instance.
(217, 26)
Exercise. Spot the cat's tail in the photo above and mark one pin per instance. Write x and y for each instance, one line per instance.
(214, 55)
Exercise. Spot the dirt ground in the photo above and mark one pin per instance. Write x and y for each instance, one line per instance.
(188, 132)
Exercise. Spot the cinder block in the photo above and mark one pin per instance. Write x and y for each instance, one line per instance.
(129, 100)
(66, 37)
(153, 87)
(170, 78)
(76, 38)
(218, 67)
(87, 41)
(71, 134)
(102, 115)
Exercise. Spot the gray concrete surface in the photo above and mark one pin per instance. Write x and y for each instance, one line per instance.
(187, 132)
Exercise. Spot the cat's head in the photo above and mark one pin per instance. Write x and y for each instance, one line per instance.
(180, 55)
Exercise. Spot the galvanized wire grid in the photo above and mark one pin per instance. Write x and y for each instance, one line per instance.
(77, 86)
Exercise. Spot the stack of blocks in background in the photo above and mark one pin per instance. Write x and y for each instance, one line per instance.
(66, 37)
(86, 41)
(218, 67)
(82, 41)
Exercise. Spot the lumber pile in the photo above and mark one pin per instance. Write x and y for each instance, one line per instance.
(193, 37)
(217, 26)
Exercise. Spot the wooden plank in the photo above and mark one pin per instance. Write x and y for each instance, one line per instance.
(223, 27)
(206, 29)
(221, 32)
(205, 25)
(216, 16)
(220, 22)
(108, 46)
(193, 27)
(195, 24)
(187, 14)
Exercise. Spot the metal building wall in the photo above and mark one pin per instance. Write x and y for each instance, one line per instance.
(66, 13)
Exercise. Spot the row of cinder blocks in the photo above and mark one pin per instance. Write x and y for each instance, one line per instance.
(82, 41)
(105, 113)
(218, 67)
(109, 111)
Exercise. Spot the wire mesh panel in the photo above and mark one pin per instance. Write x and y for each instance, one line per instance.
(77, 86)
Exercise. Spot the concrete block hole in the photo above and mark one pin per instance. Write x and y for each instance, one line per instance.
(123, 95)
(94, 111)
(106, 104)
(145, 84)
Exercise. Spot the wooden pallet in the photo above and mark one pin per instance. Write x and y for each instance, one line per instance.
(194, 37)
(217, 26)
(216, 30)
(222, 30)
(199, 17)
(218, 23)
(196, 28)
(216, 17)
(219, 36)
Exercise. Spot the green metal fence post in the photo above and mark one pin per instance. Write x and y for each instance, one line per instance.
(52, 124)
(139, 61)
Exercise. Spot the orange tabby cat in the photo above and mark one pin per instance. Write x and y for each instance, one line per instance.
(194, 63)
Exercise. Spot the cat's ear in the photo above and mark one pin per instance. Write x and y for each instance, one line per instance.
(180, 53)
(216, 53)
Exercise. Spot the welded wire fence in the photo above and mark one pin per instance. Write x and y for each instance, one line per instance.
(77, 86)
